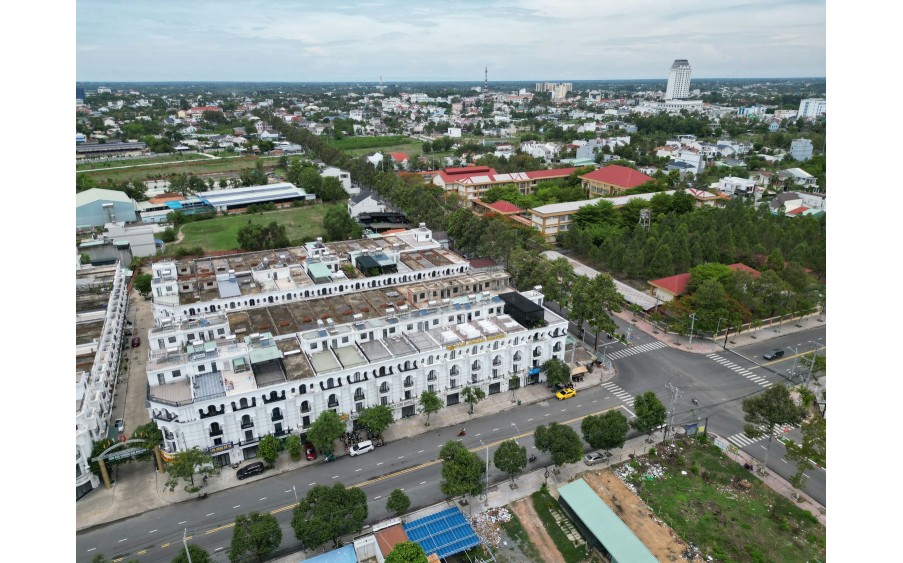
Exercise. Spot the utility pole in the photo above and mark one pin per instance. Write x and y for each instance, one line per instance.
(185, 543)
(692, 322)
(675, 394)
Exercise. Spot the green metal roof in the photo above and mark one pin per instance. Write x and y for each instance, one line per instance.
(319, 271)
(605, 524)
(263, 354)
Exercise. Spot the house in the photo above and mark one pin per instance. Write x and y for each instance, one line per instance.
(344, 176)
(801, 149)
(367, 201)
(198, 111)
(400, 158)
(736, 186)
(666, 289)
(761, 177)
(799, 177)
(376, 159)
(704, 197)
(612, 180)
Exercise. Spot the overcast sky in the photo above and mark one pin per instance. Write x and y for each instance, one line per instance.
(313, 41)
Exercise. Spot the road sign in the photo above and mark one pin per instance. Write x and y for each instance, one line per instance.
(124, 454)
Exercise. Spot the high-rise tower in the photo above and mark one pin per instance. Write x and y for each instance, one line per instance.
(678, 81)
(486, 79)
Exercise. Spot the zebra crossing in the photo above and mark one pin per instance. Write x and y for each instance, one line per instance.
(619, 393)
(633, 350)
(757, 379)
(741, 440)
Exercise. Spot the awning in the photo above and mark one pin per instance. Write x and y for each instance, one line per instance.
(578, 370)
(259, 355)
(533, 371)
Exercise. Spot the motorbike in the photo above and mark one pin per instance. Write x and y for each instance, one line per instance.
(532, 458)
(462, 432)
(202, 496)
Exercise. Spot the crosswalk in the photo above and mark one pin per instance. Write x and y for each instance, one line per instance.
(633, 350)
(741, 440)
(619, 393)
(757, 379)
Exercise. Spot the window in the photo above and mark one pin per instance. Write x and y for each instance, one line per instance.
(432, 388)
(221, 331)
(432, 375)
(384, 388)
(313, 345)
(201, 368)
(344, 340)
(177, 373)
(359, 394)
(408, 381)
(384, 400)
(410, 327)
(172, 339)
(454, 370)
(452, 383)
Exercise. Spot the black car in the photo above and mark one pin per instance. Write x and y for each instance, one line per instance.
(255, 468)
(773, 354)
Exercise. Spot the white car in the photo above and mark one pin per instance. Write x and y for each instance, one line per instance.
(361, 448)
(120, 425)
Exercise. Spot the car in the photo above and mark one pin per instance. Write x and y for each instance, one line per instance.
(361, 448)
(255, 468)
(566, 394)
(136, 342)
(309, 451)
(773, 354)
(120, 425)
(593, 458)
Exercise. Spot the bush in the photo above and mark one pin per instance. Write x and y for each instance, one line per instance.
(694, 470)
(169, 235)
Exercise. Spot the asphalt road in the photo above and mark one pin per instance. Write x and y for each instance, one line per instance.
(411, 464)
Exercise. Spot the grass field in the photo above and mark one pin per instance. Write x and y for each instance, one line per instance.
(83, 166)
(706, 506)
(207, 166)
(410, 149)
(221, 233)
(353, 143)
(543, 502)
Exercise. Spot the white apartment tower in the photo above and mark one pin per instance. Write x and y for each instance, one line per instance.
(812, 107)
(678, 81)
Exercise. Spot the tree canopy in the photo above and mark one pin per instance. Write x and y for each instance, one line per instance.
(376, 418)
(186, 464)
(472, 396)
(768, 409)
(510, 458)
(559, 440)
(407, 552)
(327, 428)
(254, 236)
(328, 513)
(398, 502)
(650, 413)
(462, 470)
(605, 431)
(255, 535)
(430, 402)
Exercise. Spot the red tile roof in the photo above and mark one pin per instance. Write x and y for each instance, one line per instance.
(555, 173)
(798, 210)
(468, 170)
(398, 156)
(505, 207)
(618, 175)
(677, 285)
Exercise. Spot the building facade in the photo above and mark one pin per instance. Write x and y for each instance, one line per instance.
(100, 307)
(812, 108)
(396, 325)
(678, 80)
(612, 180)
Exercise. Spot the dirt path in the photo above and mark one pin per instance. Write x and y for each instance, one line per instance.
(538, 535)
(661, 540)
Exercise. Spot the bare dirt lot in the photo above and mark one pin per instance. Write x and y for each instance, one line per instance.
(531, 522)
(661, 540)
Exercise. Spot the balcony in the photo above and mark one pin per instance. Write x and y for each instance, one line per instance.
(276, 417)
(249, 424)
(333, 404)
(218, 432)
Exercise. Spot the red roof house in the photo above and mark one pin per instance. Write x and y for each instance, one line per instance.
(668, 288)
(613, 179)
(398, 156)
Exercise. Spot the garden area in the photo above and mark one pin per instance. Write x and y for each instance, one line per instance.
(221, 233)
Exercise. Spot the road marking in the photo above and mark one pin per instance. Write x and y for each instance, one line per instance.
(237, 506)
(311, 484)
(92, 549)
(182, 522)
(211, 514)
(423, 482)
(152, 531)
(264, 498)
(562, 410)
(164, 545)
(529, 420)
(288, 491)
(335, 476)
(784, 460)
(578, 406)
(764, 448)
(356, 470)
(380, 463)
(420, 452)
(478, 435)
(594, 400)
(401, 457)
(122, 540)
(142, 552)
(547, 414)
(217, 549)
(377, 498)
(401, 489)
(495, 429)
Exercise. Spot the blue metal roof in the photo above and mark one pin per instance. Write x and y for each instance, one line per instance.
(343, 554)
(444, 533)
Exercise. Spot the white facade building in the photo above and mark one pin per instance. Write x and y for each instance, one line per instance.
(678, 81)
(811, 107)
(101, 304)
(801, 149)
(225, 377)
(343, 175)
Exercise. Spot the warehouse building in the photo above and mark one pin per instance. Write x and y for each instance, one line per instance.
(97, 207)
(231, 199)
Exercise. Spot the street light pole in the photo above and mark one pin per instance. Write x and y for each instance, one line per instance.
(692, 323)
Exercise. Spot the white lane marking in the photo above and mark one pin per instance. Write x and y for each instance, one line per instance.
(237, 506)
(401, 489)
(631, 413)
(122, 540)
(152, 531)
(420, 451)
(288, 491)
(423, 482)
(594, 400)
(784, 460)
(217, 549)
(92, 549)
(311, 484)
(401, 457)
(578, 406)
(529, 420)
(335, 476)
(264, 498)
(478, 435)
(377, 498)
(562, 410)
(182, 522)
(356, 470)
(211, 514)
(380, 463)
(764, 448)
(547, 414)
(495, 429)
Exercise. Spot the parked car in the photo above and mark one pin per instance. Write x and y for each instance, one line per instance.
(309, 451)
(593, 458)
(361, 448)
(120, 425)
(136, 342)
(255, 468)
(774, 354)
(566, 394)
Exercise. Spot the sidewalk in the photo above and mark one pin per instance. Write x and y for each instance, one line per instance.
(138, 488)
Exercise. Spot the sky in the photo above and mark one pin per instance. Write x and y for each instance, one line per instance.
(316, 41)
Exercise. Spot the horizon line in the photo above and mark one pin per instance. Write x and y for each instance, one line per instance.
(445, 81)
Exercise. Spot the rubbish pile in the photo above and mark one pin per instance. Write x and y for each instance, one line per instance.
(628, 472)
(486, 524)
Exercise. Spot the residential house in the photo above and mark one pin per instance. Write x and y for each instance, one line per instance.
(737, 187)
(612, 180)
(666, 289)
(376, 159)
(344, 176)
(366, 201)
(798, 177)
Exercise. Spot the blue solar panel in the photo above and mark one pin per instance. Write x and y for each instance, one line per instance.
(443, 533)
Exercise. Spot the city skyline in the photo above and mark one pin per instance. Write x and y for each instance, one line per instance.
(361, 41)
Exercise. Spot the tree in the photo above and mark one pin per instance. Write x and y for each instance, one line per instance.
(143, 284)
(431, 403)
(198, 555)
(510, 458)
(650, 413)
(325, 430)
(813, 448)
(254, 236)
(605, 431)
(765, 411)
(255, 534)
(559, 440)
(310, 180)
(376, 419)
(398, 502)
(328, 513)
(472, 396)
(557, 372)
(407, 552)
(268, 449)
(185, 465)
(332, 190)
(462, 470)
(339, 225)
(293, 447)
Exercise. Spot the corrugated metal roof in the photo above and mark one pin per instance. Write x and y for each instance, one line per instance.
(604, 524)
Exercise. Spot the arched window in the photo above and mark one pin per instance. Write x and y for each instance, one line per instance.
(330, 383)
(384, 388)
(359, 394)
(243, 403)
(476, 365)
(454, 370)
(305, 407)
(517, 356)
(333, 402)
(408, 381)
(431, 376)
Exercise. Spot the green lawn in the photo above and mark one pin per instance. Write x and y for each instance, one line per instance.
(221, 233)
(410, 149)
(83, 166)
(207, 166)
(708, 507)
(354, 143)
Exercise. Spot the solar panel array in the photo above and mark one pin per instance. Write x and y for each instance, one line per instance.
(444, 533)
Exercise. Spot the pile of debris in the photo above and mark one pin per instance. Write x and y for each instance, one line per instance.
(486, 524)
(627, 472)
